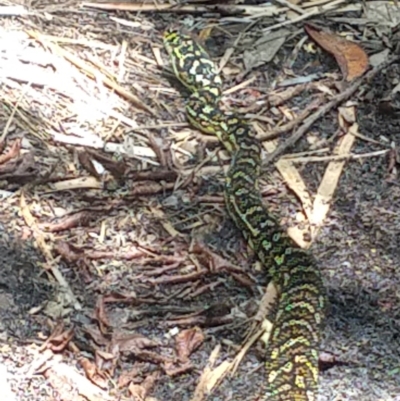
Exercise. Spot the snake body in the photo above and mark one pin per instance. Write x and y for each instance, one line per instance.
(292, 349)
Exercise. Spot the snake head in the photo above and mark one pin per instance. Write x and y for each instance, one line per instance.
(191, 63)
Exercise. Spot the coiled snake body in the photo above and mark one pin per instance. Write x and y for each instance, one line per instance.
(292, 350)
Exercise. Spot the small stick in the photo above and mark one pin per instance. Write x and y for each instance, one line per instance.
(282, 129)
(350, 156)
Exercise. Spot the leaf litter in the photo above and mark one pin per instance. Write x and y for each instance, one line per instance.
(94, 139)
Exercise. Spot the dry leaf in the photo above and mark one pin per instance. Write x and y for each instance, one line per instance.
(127, 377)
(352, 59)
(187, 341)
(139, 392)
(106, 361)
(69, 385)
(92, 373)
(68, 252)
(132, 342)
(95, 335)
(13, 152)
(59, 338)
(101, 315)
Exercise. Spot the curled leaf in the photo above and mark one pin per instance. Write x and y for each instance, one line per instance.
(188, 341)
(352, 59)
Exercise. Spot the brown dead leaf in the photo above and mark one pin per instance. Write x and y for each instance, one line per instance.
(21, 170)
(13, 152)
(69, 385)
(188, 341)
(68, 252)
(216, 262)
(154, 357)
(347, 117)
(101, 315)
(140, 392)
(106, 361)
(60, 338)
(95, 335)
(92, 373)
(172, 370)
(130, 376)
(132, 342)
(72, 254)
(352, 59)
(107, 356)
(86, 162)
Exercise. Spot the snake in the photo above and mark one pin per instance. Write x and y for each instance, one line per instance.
(292, 350)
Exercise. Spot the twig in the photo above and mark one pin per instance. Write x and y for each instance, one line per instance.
(178, 278)
(293, 7)
(341, 97)
(286, 127)
(226, 9)
(349, 156)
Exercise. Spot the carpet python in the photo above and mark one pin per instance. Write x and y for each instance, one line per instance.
(292, 349)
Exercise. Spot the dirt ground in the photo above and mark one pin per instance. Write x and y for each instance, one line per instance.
(121, 275)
